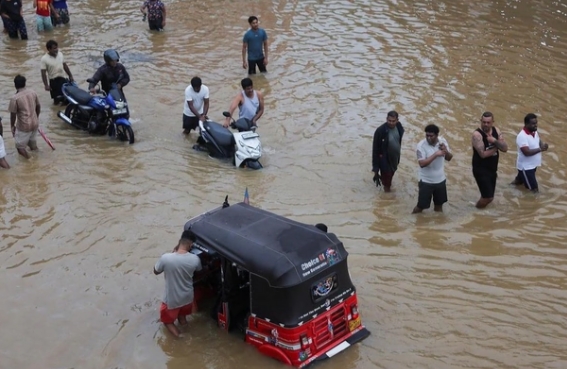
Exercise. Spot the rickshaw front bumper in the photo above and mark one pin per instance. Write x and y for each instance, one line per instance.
(361, 334)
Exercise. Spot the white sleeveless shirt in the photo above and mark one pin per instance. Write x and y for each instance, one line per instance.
(249, 107)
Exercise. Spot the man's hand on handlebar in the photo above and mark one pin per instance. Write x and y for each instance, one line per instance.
(226, 122)
(92, 91)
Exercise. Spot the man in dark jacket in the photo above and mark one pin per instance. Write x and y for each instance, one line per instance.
(386, 150)
(111, 72)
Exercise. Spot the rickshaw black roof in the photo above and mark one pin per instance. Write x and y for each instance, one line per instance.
(268, 245)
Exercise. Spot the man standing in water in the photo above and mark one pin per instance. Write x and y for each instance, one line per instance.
(432, 152)
(250, 102)
(255, 47)
(487, 141)
(179, 267)
(387, 150)
(53, 66)
(196, 105)
(24, 116)
(529, 153)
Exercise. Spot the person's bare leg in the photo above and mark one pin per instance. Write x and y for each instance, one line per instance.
(387, 189)
(482, 202)
(172, 329)
(24, 153)
(438, 208)
(4, 164)
(182, 319)
(32, 145)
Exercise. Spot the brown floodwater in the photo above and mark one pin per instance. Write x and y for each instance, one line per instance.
(82, 226)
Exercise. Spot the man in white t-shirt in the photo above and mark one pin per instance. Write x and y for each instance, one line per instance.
(3, 162)
(529, 153)
(432, 152)
(196, 106)
(54, 68)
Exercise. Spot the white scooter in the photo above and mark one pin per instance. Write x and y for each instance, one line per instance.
(243, 146)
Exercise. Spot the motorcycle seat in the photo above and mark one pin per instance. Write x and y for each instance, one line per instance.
(222, 135)
(78, 94)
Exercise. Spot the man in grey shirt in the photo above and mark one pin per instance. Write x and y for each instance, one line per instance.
(179, 267)
(431, 155)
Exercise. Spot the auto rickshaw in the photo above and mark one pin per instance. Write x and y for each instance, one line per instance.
(283, 284)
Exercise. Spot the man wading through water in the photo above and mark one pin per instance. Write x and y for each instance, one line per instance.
(179, 267)
(487, 141)
(387, 150)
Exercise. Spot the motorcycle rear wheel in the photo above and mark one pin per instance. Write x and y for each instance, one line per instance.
(125, 133)
(73, 113)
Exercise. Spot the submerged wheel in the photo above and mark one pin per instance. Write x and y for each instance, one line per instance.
(125, 133)
(72, 112)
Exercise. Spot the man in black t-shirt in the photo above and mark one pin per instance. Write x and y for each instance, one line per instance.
(11, 12)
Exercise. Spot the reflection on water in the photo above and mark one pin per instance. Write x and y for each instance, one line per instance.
(82, 225)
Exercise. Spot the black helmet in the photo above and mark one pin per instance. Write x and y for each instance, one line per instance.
(110, 55)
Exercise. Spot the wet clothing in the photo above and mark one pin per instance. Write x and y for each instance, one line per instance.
(155, 13)
(528, 178)
(428, 191)
(386, 150)
(56, 86)
(43, 23)
(435, 171)
(43, 8)
(25, 139)
(108, 75)
(485, 170)
(55, 72)
(23, 104)
(63, 12)
(15, 23)
(255, 49)
(527, 165)
(259, 63)
(249, 108)
(12, 8)
(432, 179)
(255, 43)
(178, 270)
(43, 15)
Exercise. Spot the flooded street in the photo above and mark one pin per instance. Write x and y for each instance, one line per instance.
(82, 226)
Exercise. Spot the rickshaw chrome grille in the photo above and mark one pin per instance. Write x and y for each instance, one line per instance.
(330, 326)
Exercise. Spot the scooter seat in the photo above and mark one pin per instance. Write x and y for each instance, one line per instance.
(222, 135)
(78, 94)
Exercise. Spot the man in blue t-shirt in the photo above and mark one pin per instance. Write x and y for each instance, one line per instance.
(255, 42)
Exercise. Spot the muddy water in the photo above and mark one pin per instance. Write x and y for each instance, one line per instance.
(83, 225)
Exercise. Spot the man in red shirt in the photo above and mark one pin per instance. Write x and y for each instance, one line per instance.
(43, 11)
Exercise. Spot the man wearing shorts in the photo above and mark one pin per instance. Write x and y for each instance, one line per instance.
(179, 267)
(432, 152)
(196, 105)
(255, 47)
(3, 163)
(24, 116)
(387, 150)
(487, 142)
(529, 153)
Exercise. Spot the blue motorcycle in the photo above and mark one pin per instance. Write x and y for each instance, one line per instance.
(97, 114)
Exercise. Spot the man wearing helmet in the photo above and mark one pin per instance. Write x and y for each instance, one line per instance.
(111, 72)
